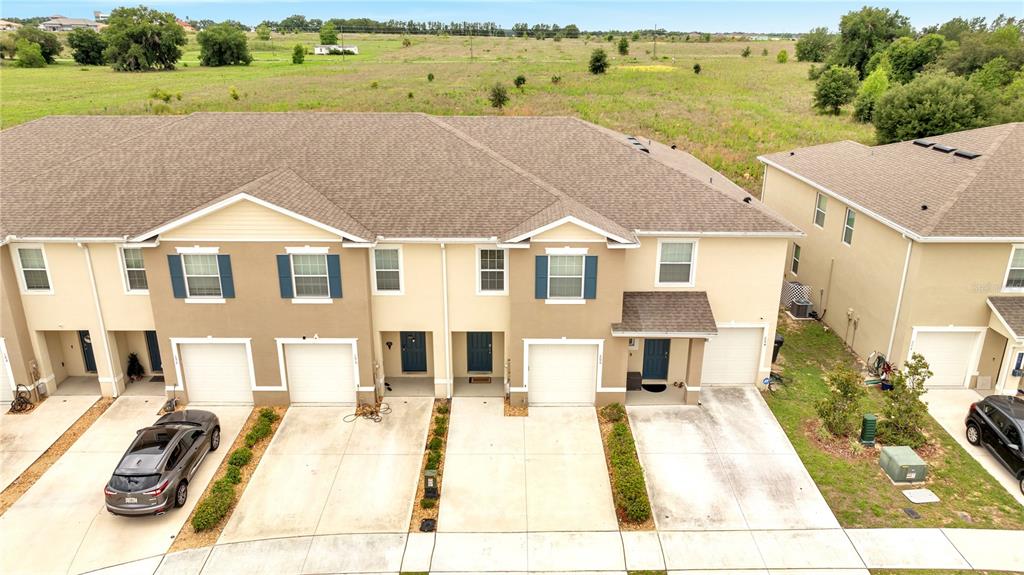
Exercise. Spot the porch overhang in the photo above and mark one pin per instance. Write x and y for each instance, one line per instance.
(1008, 314)
(684, 314)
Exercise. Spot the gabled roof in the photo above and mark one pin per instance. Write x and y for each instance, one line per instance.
(369, 175)
(667, 314)
(1010, 310)
(980, 198)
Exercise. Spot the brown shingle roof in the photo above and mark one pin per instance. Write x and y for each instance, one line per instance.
(983, 197)
(386, 174)
(685, 312)
(1011, 309)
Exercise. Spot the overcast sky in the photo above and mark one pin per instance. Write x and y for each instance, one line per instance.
(709, 16)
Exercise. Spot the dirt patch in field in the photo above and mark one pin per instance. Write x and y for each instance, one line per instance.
(29, 477)
(442, 407)
(624, 523)
(189, 538)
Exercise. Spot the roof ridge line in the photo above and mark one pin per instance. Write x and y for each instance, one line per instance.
(328, 200)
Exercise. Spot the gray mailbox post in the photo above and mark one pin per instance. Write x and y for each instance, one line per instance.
(430, 484)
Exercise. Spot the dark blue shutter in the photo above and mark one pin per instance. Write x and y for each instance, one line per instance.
(334, 275)
(177, 276)
(541, 284)
(284, 276)
(227, 281)
(590, 277)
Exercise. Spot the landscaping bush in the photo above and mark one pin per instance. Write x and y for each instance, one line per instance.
(904, 412)
(435, 443)
(215, 506)
(442, 409)
(440, 420)
(240, 457)
(268, 413)
(426, 503)
(233, 474)
(433, 459)
(839, 409)
(628, 486)
(613, 412)
(440, 430)
(258, 432)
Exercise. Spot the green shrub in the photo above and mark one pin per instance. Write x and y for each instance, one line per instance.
(815, 72)
(30, 55)
(613, 412)
(269, 414)
(240, 457)
(519, 81)
(628, 486)
(745, 52)
(223, 485)
(159, 94)
(215, 506)
(440, 430)
(835, 88)
(430, 77)
(696, 68)
(904, 412)
(428, 503)
(435, 443)
(440, 420)
(782, 57)
(433, 460)
(498, 96)
(234, 474)
(442, 409)
(258, 432)
(838, 410)
(623, 46)
(298, 54)
(555, 79)
(598, 62)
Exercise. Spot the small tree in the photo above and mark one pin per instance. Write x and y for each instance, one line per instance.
(49, 43)
(143, 39)
(839, 409)
(87, 46)
(995, 74)
(836, 87)
(298, 54)
(871, 89)
(746, 51)
(598, 62)
(814, 46)
(904, 412)
(223, 45)
(696, 68)
(8, 48)
(764, 51)
(498, 96)
(263, 32)
(30, 55)
(623, 46)
(430, 76)
(782, 57)
(328, 34)
(930, 104)
(519, 82)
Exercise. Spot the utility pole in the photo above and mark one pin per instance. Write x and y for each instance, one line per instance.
(471, 44)
(655, 41)
(342, 30)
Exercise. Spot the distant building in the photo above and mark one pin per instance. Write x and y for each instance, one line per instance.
(324, 49)
(62, 24)
(6, 26)
(100, 16)
(188, 27)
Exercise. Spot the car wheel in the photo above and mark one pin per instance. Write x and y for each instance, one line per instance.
(973, 434)
(1022, 483)
(215, 439)
(181, 494)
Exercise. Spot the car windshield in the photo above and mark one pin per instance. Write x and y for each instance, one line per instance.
(131, 483)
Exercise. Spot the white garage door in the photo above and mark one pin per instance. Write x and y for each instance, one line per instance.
(732, 356)
(6, 393)
(562, 374)
(949, 355)
(216, 372)
(320, 373)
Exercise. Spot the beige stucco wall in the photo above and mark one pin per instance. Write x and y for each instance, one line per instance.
(467, 310)
(13, 327)
(246, 220)
(568, 232)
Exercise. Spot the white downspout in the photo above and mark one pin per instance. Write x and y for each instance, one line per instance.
(99, 316)
(447, 329)
(899, 300)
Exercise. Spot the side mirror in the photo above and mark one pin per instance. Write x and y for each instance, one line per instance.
(1014, 447)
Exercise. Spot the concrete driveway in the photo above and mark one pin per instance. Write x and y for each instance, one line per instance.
(726, 465)
(949, 407)
(324, 476)
(63, 517)
(24, 437)
(545, 472)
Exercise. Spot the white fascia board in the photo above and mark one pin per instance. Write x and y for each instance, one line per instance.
(490, 240)
(683, 234)
(664, 334)
(569, 220)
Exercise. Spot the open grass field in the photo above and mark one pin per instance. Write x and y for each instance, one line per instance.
(850, 478)
(734, 110)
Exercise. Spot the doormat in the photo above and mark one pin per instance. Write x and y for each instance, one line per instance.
(654, 387)
(480, 379)
(157, 379)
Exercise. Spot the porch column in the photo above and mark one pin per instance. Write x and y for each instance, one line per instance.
(694, 366)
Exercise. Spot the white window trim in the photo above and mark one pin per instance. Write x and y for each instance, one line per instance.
(401, 270)
(479, 272)
(847, 226)
(527, 342)
(583, 283)
(795, 259)
(247, 341)
(296, 298)
(124, 272)
(21, 272)
(633, 343)
(693, 264)
(189, 298)
(283, 341)
(1006, 276)
(824, 212)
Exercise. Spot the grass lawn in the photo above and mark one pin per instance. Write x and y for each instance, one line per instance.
(850, 479)
(734, 110)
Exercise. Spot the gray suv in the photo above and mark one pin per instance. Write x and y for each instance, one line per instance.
(153, 474)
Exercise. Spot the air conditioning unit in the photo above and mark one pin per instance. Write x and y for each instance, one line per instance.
(800, 308)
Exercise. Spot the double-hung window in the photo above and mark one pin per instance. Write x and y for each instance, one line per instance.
(848, 227)
(492, 272)
(565, 277)
(819, 210)
(675, 263)
(387, 270)
(1015, 273)
(134, 270)
(309, 274)
(795, 265)
(202, 275)
(33, 269)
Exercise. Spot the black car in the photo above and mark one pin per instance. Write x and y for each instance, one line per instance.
(997, 422)
(153, 474)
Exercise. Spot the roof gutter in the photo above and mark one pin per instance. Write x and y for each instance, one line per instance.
(670, 334)
(680, 234)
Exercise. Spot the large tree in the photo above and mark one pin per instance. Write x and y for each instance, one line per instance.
(87, 46)
(836, 87)
(223, 45)
(865, 32)
(814, 46)
(930, 104)
(978, 48)
(328, 34)
(49, 44)
(143, 39)
(907, 56)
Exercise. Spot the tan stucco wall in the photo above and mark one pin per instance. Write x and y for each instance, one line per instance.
(245, 220)
(258, 311)
(13, 327)
(467, 310)
(568, 232)
(865, 276)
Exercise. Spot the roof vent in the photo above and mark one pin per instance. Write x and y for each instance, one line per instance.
(943, 149)
(924, 207)
(923, 143)
(747, 200)
(637, 144)
(966, 154)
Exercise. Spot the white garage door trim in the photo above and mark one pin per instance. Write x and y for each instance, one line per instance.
(599, 343)
(760, 355)
(244, 341)
(972, 360)
(7, 385)
(282, 344)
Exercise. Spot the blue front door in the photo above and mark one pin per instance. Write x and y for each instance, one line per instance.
(656, 358)
(155, 364)
(414, 351)
(86, 342)
(478, 351)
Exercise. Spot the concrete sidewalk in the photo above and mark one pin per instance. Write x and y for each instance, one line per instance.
(837, 551)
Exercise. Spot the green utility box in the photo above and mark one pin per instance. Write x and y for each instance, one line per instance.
(902, 465)
(868, 429)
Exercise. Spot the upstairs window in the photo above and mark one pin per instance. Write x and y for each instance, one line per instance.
(202, 275)
(848, 227)
(565, 277)
(309, 274)
(795, 265)
(33, 269)
(675, 263)
(134, 270)
(387, 270)
(492, 273)
(819, 210)
(1015, 273)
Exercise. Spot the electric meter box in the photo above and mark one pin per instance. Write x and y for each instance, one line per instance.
(902, 465)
